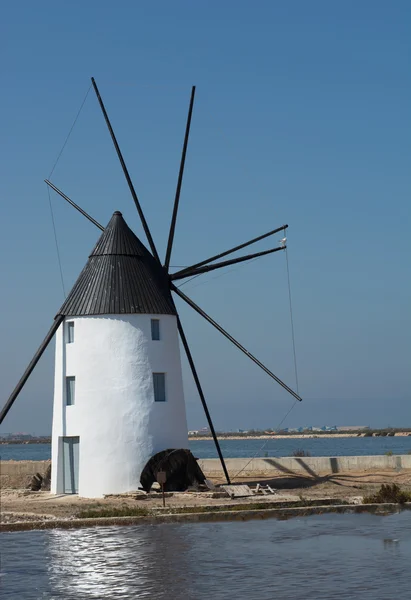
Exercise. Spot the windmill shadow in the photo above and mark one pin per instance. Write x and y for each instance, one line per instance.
(292, 479)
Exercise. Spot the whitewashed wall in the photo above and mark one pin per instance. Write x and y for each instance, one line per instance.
(119, 424)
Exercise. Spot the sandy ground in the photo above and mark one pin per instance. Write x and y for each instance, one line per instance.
(24, 505)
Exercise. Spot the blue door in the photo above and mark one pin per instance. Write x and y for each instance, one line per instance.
(70, 464)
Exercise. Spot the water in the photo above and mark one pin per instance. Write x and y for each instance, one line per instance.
(25, 451)
(355, 446)
(325, 557)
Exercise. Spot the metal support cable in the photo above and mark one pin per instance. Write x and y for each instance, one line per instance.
(231, 250)
(216, 276)
(263, 446)
(223, 264)
(48, 190)
(56, 242)
(188, 280)
(292, 321)
(74, 205)
(207, 317)
(69, 133)
(295, 370)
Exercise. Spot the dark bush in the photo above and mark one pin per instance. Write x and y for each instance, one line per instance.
(300, 453)
(388, 493)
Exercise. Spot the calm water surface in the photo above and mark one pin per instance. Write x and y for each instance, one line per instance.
(247, 448)
(323, 557)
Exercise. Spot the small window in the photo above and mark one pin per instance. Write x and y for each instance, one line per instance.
(159, 381)
(155, 329)
(70, 332)
(70, 390)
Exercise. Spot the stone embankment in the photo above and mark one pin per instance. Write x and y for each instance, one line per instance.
(17, 474)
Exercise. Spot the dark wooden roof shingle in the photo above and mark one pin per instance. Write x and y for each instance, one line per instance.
(120, 277)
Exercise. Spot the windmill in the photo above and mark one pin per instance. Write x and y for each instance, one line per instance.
(118, 391)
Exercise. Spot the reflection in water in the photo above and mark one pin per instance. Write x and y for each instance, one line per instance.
(325, 558)
(96, 563)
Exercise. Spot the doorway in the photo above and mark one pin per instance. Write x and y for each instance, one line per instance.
(70, 464)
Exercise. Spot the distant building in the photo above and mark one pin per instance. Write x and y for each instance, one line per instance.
(16, 436)
(353, 427)
(202, 431)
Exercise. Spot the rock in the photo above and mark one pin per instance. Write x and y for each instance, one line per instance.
(35, 483)
(45, 484)
(39, 482)
(355, 500)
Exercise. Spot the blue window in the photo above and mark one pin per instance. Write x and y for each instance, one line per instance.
(159, 381)
(70, 464)
(155, 329)
(70, 390)
(70, 332)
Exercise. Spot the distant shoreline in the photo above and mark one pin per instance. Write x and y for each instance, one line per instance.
(293, 436)
(256, 436)
(23, 442)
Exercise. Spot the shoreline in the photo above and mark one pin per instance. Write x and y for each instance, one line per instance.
(263, 436)
(283, 513)
(295, 436)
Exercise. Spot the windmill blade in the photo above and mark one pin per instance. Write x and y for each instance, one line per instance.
(233, 340)
(202, 398)
(57, 322)
(217, 256)
(126, 174)
(76, 206)
(179, 182)
(225, 263)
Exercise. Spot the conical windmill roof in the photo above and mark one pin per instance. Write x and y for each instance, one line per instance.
(120, 277)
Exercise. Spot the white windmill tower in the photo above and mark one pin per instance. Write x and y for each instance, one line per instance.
(118, 395)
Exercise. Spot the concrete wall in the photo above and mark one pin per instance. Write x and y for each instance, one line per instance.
(310, 465)
(119, 424)
(17, 474)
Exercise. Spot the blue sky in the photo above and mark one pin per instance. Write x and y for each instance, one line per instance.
(301, 117)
